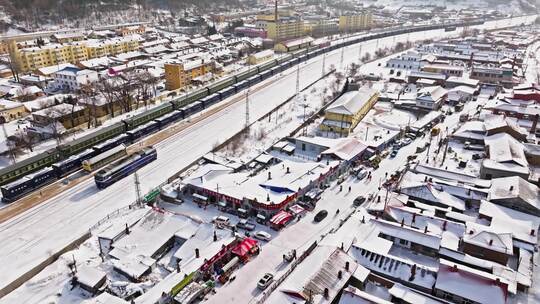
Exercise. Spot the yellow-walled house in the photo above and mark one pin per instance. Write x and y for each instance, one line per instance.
(348, 110)
(179, 74)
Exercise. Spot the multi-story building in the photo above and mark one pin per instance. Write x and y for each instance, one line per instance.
(493, 75)
(178, 74)
(348, 110)
(355, 22)
(285, 28)
(321, 27)
(36, 57)
(131, 30)
(33, 58)
(72, 79)
(445, 69)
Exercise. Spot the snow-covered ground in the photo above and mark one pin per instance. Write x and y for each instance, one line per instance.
(29, 238)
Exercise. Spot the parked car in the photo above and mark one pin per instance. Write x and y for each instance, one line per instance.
(321, 215)
(265, 281)
(359, 200)
(410, 136)
(361, 173)
(262, 235)
(246, 225)
(406, 141)
(221, 221)
(394, 153)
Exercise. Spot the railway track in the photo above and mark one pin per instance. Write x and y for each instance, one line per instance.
(38, 197)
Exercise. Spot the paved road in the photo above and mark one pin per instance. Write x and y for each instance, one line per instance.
(30, 238)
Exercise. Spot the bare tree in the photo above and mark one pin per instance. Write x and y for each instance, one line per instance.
(106, 88)
(24, 140)
(89, 94)
(52, 121)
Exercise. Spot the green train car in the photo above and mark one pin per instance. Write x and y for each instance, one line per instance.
(140, 119)
(29, 165)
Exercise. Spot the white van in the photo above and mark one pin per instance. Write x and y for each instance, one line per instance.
(221, 221)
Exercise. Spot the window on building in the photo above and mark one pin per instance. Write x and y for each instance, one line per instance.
(303, 147)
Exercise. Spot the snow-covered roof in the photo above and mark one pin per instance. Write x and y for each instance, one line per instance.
(299, 41)
(462, 80)
(463, 89)
(346, 149)
(503, 148)
(352, 295)
(263, 54)
(427, 239)
(90, 276)
(317, 272)
(351, 102)
(433, 193)
(204, 240)
(486, 237)
(497, 211)
(275, 190)
(105, 298)
(59, 110)
(449, 231)
(468, 284)
(410, 296)
(520, 230)
(514, 187)
(48, 70)
(434, 93)
(149, 235)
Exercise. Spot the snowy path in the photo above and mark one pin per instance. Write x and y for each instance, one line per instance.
(30, 238)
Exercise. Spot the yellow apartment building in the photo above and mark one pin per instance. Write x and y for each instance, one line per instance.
(29, 59)
(180, 74)
(285, 29)
(355, 22)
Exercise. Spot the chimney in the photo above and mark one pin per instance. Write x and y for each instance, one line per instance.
(471, 232)
(326, 293)
(491, 242)
(288, 170)
(535, 123)
(532, 232)
(511, 188)
(402, 222)
(444, 225)
(197, 253)
(425, 229)
(339, 275)
(454, 268)
(347, 266)
(269, 175)
(413, 218)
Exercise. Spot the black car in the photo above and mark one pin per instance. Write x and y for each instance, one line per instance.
(359, 200)
(321, 215)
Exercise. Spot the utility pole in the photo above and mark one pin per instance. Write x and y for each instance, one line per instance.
(323, 64)
(137, 189)
(297, 79)
(341, 59)
(247, 108)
